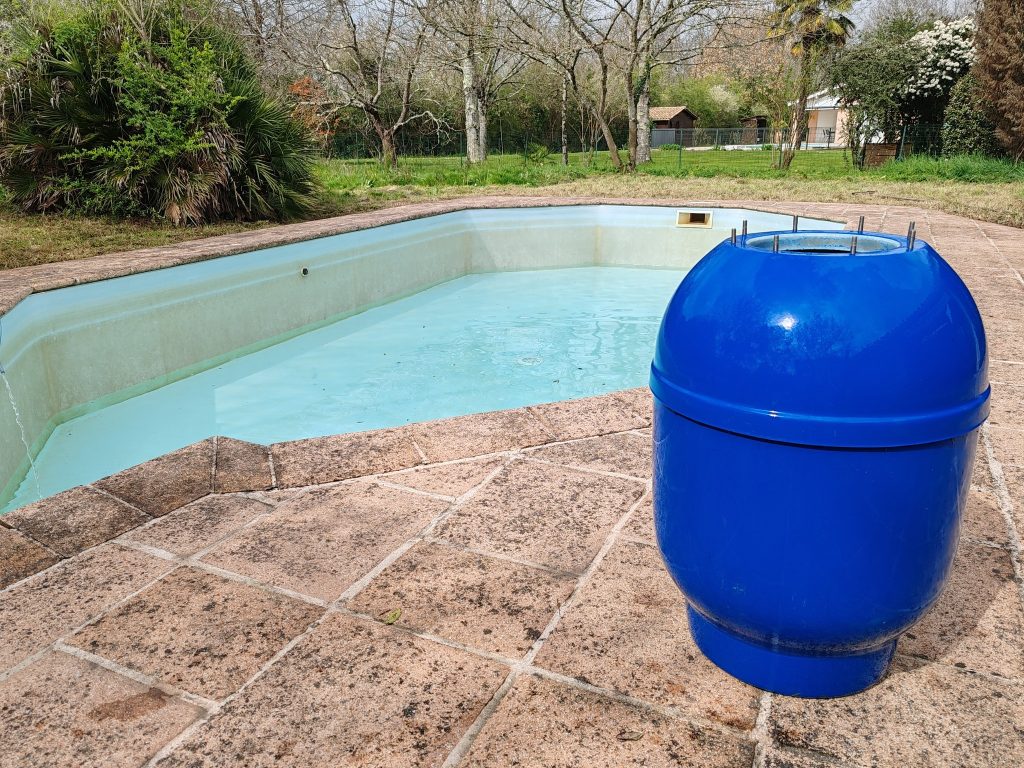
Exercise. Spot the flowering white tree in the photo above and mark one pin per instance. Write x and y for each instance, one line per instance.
(947, 53)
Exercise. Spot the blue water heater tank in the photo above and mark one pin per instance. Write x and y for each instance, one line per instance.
(816, 412)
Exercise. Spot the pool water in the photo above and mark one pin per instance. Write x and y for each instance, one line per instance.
(478, 343)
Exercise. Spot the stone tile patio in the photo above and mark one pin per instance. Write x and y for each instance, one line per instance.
(481, 591)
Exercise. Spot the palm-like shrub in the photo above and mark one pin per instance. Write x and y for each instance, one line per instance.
(107, 111)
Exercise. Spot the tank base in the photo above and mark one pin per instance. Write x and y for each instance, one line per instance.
(788, 673)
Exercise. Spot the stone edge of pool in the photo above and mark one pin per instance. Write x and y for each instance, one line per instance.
(18, 284)
(39, 535)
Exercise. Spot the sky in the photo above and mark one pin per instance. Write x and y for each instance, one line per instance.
(863, 8)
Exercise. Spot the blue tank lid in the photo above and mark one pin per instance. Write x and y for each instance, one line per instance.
(816, 345)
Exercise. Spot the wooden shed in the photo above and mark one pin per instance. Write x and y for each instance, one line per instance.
(676, 118)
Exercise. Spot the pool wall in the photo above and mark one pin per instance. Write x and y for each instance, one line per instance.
(73, 349)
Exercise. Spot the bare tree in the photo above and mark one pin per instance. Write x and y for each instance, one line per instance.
(604, 44)
(574, 38)
(474, 41)
(655, 34)
(367, 55)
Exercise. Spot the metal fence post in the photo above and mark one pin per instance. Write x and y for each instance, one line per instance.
(679, 152)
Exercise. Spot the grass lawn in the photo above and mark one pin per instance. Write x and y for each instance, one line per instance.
(990, 190)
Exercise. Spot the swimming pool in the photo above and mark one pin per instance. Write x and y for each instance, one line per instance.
(454, 314)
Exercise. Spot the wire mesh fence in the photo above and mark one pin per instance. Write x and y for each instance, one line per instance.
(684, 152)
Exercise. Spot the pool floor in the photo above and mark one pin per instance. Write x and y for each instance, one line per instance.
(478, 343)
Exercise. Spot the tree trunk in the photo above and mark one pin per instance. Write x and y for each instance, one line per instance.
(609, 139)
(631, 138)
(472, 104)
(388, 150)
(643, 124)
(798, 121)
(565, 135)
(481, 129)
(389, 153)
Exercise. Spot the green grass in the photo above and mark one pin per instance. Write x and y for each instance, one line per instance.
(966, 168)
(344, 176)
(359, 177)
(982, 188)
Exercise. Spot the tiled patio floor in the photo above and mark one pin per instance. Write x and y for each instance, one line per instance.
(482, 591)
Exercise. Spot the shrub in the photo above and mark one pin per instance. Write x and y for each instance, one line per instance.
(966, 130)
(537, 153)
(669, 147)
(947, 52)
(999, 68)
(101, 115)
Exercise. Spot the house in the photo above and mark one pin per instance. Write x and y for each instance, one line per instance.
(826, 119)
(672, 125)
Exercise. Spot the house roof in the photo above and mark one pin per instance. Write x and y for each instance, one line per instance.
(667, 113)
(821, 100)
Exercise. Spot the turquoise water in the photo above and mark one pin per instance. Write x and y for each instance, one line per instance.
(478, 343)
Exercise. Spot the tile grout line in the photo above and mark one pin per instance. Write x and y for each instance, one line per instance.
(360, 584)
(1006, 507)
(78, 628)
(238, 578)
(621, 698)
(28, 535)
(535, 671)
(178, 740)
(672, 712)
(133, 674)
(422, 455)
(194, 726)
(761, 735)
(465, 743)
(999, 251)
(461, 749)
(408, 489)
(928, 661)
(586, 576)
(118, 603)
(25, 663)
(214, 463)
(588, 470)
(150, 522)
(273, 467)
(153, 522)
(192, 562)
(552, 432)
(446, 463)
(438, 639)
(467, 459)
(498, 556)
(125, 502)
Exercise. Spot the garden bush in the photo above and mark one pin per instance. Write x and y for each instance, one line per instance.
(106, 111)
(966, 130)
